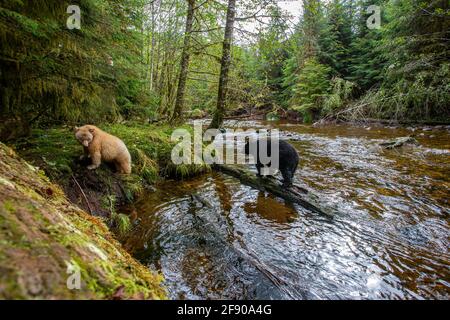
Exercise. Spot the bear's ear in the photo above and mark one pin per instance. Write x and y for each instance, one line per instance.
(75, 129)
(91, 130)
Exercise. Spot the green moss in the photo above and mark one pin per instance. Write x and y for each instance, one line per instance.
(133, 186)
(54, 150)
(121, 222)
(8, 219)
(36, 224)
(9, 206)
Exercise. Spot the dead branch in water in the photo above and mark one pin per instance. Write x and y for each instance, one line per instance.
(399, 142)
(295, 194)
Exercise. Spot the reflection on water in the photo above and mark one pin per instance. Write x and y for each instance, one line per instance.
(215, 238)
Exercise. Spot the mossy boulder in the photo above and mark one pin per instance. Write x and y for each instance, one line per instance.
(44, 239)
(197, 114)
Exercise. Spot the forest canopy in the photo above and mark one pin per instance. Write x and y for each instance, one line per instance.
(164, 59)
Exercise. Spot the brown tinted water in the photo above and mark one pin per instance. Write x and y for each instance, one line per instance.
(213, 237)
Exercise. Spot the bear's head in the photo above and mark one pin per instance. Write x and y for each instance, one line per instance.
(85, 134)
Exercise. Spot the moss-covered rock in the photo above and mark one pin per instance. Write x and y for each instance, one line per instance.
(45, 239)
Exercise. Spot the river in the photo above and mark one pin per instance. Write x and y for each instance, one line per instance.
(214, 238)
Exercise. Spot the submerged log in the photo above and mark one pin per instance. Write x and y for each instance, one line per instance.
(399, 142)
(295, 194)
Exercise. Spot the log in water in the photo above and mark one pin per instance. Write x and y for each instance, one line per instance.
(295, 194)
(399, 142)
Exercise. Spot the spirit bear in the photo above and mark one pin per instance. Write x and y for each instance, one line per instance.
(99, 145)
(288, 158)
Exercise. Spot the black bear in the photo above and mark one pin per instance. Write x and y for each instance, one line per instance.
(288, 158)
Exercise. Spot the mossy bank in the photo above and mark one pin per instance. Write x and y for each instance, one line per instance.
(43, 235)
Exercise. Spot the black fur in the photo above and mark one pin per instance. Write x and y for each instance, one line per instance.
(288, 159)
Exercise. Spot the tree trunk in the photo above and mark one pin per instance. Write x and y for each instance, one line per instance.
(224, 66)
(152, 43)
(185, 55)
(155, 77)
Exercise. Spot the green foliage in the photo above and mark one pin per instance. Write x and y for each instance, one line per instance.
(426, 97)
(289, 76)
(306, 79)
(119, 221)
(339, 96)
(272, 53)
(197, 113)
(272, 116)
(399, 71)
(417, 50)
(50, 74)
(310, 89)
(335, 37)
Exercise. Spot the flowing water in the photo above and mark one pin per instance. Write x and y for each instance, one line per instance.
(213, 237)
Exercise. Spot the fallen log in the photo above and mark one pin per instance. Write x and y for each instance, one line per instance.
(295, 194)
(399, 142)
